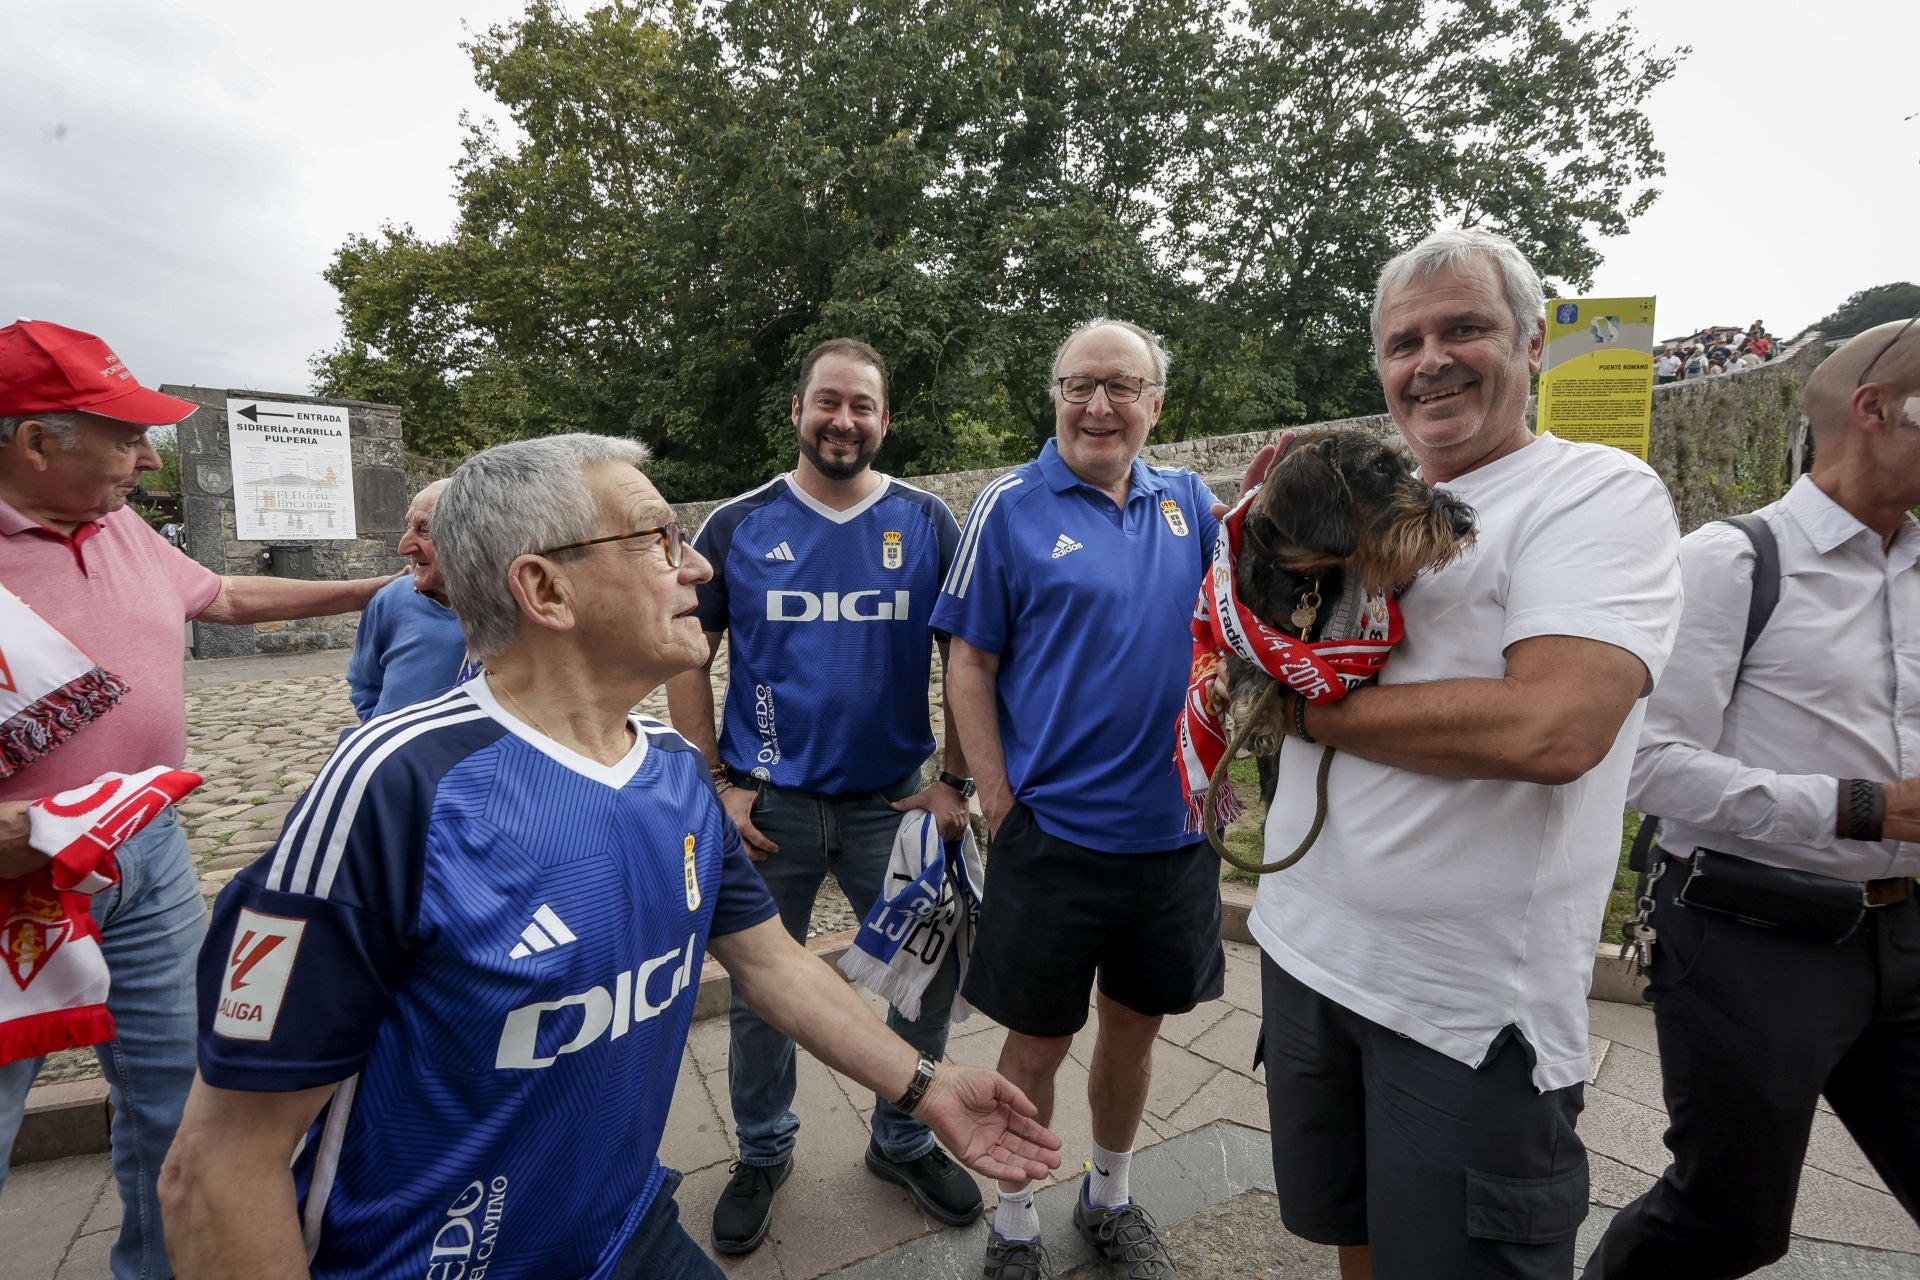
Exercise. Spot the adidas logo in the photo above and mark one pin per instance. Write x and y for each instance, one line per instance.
(545, 933)
(781, 552)
(1064, 546)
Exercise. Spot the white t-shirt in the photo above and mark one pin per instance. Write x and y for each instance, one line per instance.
(1666, 366)
(1448, 908)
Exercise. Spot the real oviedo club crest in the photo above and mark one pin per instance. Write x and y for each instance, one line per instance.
(891, 548)
(1176, 521)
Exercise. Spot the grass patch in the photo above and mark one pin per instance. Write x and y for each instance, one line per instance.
(1247, 836)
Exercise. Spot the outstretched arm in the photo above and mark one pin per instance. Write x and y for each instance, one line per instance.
(248, 598)
(987, 1123)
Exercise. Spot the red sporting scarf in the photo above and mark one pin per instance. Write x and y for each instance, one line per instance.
(1319, 671)
(55, 990)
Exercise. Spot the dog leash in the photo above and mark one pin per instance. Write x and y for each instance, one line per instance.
(1260, 707)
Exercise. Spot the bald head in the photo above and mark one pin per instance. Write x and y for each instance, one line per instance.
(416, 544)
(1829, 395)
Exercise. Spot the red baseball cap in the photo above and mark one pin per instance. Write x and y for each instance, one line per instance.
(49, 368)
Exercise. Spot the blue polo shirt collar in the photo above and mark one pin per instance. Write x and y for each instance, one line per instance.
(1060, 477)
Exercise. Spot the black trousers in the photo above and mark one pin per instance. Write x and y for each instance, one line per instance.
(1754, 1027)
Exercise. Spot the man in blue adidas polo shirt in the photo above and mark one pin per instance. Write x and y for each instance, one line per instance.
(1068, 607)
(823, 582)
(441, 1022)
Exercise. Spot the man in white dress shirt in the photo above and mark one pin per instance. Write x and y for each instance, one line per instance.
(1426, 967)
(1798, 763)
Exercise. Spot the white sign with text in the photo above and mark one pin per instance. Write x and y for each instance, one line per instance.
(292, 470)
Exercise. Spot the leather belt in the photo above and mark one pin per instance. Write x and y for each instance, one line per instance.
(1889, 892)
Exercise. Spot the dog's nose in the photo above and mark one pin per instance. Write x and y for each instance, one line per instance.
(1461, 517)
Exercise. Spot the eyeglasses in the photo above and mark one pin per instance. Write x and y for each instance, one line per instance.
(1890, 346)
(1079, 388)
(670, 539)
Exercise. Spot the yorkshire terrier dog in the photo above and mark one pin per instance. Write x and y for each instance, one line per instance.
(1340, 515)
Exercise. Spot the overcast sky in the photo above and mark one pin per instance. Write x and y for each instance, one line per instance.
(175, 174)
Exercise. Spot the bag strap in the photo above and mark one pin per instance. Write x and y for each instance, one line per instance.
(1766, 577)
(1760, 606)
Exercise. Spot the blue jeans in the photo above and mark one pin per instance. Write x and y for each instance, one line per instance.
(660, 1248)
(852, 837)
(151, 927)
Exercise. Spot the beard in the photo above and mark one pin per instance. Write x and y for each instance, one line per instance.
(862, 459)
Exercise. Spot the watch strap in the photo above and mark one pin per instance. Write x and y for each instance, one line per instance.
(917, 1087)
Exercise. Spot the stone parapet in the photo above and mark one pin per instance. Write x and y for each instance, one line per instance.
(1723, 444)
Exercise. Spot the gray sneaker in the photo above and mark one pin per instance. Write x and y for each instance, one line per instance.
(1125, 1236)
(1016, 1259)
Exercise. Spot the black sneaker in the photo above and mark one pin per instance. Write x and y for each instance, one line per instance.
(943, 1188)
(1016, 1259)
(1124, 1235)
(745, 1208)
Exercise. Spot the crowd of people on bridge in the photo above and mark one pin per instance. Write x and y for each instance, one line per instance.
(436, 1028)
(1714, 351)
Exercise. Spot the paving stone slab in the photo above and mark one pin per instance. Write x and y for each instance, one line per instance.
(1623, 1024)
(45, 1206)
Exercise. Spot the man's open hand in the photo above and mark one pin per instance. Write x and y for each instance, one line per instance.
(948, 807)
(988, 1124)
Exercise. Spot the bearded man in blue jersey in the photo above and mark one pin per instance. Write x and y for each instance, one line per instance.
(441, 1021)
(823, 582)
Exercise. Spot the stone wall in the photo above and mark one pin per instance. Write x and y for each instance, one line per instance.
(380, 495)
(1724, 445)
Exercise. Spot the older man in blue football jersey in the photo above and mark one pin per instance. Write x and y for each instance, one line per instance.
(441, 1021)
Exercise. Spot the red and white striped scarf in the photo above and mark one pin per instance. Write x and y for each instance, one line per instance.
(1319, 671)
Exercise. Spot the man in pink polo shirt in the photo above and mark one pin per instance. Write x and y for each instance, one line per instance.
(73, 444)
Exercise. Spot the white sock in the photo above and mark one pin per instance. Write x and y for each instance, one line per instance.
(1014, 1217)
(1107, 1180)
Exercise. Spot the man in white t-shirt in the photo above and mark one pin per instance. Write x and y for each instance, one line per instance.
(1426, 967)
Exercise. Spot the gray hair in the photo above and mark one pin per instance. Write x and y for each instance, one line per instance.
(1458, 248)
(1156, 350)
(65, 427)
(509, 501)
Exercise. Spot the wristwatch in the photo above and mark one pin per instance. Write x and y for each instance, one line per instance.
(963, 785)
(917, 1088)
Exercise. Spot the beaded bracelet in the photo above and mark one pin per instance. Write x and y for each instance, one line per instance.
(1300, 719)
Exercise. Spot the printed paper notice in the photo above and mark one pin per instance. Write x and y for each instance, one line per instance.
(1596, 380)
(292, 471)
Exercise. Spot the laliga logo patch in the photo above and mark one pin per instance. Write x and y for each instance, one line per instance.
(692, 874)
(1176, 520)
(33, 931)
(258, 970)
(891, 548)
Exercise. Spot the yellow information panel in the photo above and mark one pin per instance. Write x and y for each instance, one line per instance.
(1596, 380)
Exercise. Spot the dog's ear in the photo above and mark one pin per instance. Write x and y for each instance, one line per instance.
(1308, 502)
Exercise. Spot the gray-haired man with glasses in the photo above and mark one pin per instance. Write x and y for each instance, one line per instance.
(1068, 609)
(1787, 965)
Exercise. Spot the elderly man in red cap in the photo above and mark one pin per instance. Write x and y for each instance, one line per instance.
(87, 586)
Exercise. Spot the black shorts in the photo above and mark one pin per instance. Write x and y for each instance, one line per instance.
(1056, 913)
(1444, 1169)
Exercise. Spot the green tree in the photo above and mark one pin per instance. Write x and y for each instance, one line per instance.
(682, 198)
(1871, 307)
